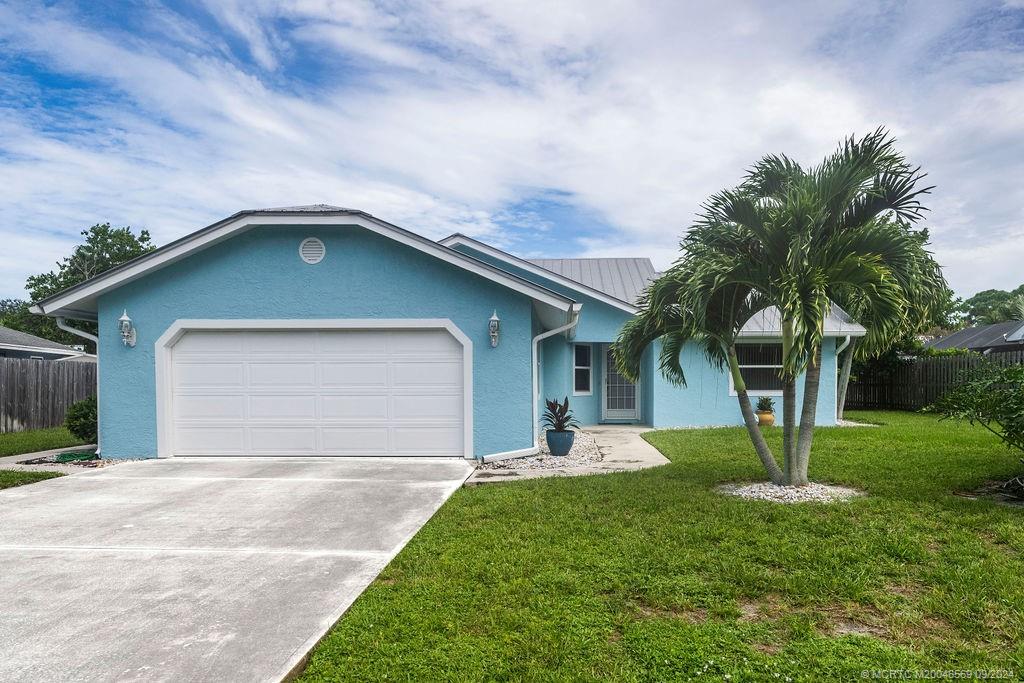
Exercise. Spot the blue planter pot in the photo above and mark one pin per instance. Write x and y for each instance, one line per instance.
(559, 443)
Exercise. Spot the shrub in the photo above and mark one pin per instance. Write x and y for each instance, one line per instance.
(990, 396)
(558, 417)
(765, 405)
(81, 419)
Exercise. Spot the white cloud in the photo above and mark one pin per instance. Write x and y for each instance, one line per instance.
(447, 115)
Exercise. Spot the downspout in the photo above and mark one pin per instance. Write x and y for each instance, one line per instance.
(574, 319)
(95, 340)
(839, 350)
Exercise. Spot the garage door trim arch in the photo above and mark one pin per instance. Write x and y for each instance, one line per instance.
(165, 344)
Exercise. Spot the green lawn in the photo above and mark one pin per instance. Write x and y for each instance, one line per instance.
(36, 440)
(10, 478)
(654, 576)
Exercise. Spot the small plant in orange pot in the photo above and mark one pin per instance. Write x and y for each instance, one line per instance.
(765, 411)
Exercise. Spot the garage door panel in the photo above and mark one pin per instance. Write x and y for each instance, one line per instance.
(192, 374)
(206, 440)
(329, 392)
(427, 406)
(353, 374)
(227, 343)
(282, 374)
(286, 440)
(355, 440)
(282, 407)
(419, 345)
(222, 407)
(429, 373)
(281, 341)
(354, 407)
(353, 342)
(426, 439)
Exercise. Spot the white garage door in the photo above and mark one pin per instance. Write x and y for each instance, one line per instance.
(317, 392)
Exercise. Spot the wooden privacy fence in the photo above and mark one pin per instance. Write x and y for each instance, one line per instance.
(918, 382)
(35, 394)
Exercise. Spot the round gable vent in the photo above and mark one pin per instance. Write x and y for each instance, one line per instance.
(312, 250)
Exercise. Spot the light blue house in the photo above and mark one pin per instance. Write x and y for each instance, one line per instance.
(318, 330)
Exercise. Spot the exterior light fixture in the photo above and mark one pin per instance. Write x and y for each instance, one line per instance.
(124, 324)
(493, 327)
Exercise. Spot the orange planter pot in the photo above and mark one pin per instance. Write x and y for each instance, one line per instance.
(765, 419)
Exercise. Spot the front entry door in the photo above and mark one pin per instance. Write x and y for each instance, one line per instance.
(620, 397)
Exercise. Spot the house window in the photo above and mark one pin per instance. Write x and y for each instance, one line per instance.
(760, 366)
(582, 370)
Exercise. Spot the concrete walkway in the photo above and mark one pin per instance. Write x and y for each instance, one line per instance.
(622, 450)
(199, 569)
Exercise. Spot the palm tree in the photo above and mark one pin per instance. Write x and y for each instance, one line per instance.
(794, 239)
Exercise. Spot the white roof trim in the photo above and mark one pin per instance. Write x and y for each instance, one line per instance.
(219, 232)
(457, 239)
(763, 334)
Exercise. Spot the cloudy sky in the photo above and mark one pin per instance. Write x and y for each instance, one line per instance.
(569, 128)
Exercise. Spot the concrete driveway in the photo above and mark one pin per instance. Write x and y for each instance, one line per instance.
(199, 569)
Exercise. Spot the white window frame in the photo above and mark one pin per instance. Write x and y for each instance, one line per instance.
(756, 392)
(589, 368)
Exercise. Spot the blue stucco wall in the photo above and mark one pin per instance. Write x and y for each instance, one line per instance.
(258, 274)
(705, 400)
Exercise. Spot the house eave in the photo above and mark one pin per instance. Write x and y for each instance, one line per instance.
(79, 302)
(458, 238)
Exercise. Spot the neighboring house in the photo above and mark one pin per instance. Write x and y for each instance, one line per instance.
(1006, 336)
(325, 331)
(17, 344)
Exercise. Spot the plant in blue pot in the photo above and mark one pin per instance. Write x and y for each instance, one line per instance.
(560, 422)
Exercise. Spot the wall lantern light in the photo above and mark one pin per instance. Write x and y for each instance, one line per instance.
(124, 324)
(493, 327)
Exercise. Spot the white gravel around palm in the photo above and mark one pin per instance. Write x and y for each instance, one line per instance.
(812, 493)
(584, 452)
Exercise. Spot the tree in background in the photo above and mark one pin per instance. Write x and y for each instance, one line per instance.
(994, 306)
(794, 239)
(104, 247)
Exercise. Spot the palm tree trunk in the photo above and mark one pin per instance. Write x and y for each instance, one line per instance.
(812, 380)
(844, 379)
(764, 453)
(788, 408)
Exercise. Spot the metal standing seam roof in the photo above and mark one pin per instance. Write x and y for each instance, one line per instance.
(9, 337)
(626, 279)
(622, 278)
(769, 323)
(981, 336)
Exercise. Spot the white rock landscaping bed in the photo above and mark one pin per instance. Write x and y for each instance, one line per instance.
(812, 493)
(584, 452)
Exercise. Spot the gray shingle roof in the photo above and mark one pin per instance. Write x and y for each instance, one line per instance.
(981, 337)
(769, 323)
(622, 278)
(17, 338)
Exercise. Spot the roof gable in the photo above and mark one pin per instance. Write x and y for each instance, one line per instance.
(457, 239)
(80, 301)
(623, 278)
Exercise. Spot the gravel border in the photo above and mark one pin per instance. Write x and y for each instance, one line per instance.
(812, 493)
(584, 451)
